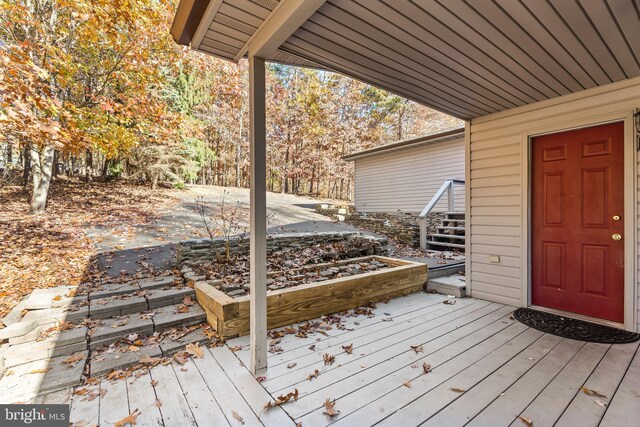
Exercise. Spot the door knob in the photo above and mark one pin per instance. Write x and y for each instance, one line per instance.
(616, 237)
(616, 217)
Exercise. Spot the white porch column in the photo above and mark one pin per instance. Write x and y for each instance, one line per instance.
(258, 222)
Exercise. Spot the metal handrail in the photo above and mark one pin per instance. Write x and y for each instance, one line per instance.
(447, 187)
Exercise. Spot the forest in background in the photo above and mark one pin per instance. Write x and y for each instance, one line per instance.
(97, 89)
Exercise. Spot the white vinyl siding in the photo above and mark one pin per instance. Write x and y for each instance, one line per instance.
(497, 168)
(406, 179)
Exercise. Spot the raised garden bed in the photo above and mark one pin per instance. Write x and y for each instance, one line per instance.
(230, 316)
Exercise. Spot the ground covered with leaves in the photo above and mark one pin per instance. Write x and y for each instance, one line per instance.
(52, 249)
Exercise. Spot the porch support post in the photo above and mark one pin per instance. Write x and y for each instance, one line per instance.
(258, 222)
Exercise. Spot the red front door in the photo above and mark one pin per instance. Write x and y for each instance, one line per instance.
(577, 221)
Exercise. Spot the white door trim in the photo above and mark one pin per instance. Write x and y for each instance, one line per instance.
(630, 206)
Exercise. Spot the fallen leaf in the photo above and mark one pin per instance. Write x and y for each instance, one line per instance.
(187, 300)
(457, 389)
(315, 374)
(591, 392)
(282, 399)
(601, 403)
(426, 368)
(181, 357)
(348, 348)
(527, 421)
(57, 298)
(154, 382)
(40, 371)
(261, 379)
(158, 403)
(81, 423)
(237, 417)
(449, 302)
(129, 419)
(235, 348)
(407, 384)
(329, 408)
(134, 348)
(329, 359)
(73, 359)
(417, 348)
(195, 350)
(292, 365)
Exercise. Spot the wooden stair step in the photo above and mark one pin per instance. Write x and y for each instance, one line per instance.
(448, 236)
(446, 244)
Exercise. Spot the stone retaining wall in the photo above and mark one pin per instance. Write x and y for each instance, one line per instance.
(194, 251)
(400, 226)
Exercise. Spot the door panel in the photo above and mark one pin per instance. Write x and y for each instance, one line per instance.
(577, 189)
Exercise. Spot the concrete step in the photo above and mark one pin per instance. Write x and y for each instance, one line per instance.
(447, 236)
(112, 289)
(431, 243)
(449, 285)
(56, 344)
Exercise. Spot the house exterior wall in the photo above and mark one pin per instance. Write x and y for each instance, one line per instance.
(498, 186)
(406, 179)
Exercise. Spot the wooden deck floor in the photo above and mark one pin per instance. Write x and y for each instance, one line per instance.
(487, 370)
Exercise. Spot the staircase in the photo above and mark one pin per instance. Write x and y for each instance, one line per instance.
(450, 235)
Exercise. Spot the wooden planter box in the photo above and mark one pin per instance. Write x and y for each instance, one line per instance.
(230, 316)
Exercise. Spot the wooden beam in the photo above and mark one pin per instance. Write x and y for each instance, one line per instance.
(283, 21)
(258, 221)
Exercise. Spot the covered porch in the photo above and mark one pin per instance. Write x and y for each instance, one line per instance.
(411, 361)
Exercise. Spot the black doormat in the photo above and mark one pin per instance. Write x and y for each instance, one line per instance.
(573, 328)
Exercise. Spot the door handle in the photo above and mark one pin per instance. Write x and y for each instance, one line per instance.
(616, 237)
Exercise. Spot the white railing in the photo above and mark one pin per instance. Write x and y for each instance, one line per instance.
(447, 187)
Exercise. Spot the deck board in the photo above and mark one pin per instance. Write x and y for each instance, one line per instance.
(114, 402)
(625, 404)
(175, 408)
(432, 325)
(204, 407)
(84, 411)
(605, 380)
(512, 358)
(505, 409)
(549, 405)
(455, 356)
(224, 391)
(505, 369)
(142, 396)
(384, 372)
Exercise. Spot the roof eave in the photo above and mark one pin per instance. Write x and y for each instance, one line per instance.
(407, 143)
(186, 20)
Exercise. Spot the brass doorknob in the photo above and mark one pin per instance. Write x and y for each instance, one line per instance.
(616, 217)
(616, 237)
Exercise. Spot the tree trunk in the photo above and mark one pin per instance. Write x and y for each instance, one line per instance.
(27, 165)
(88, 166)
(42, 163)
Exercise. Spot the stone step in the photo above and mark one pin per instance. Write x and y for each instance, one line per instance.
(151, 298)
(449, 285)
(447, 236)
(114, 329)
(445, 244)
(112, 289)
(57, 344)
(169, 317)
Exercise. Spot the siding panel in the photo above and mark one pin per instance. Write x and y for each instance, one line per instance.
(406, 179)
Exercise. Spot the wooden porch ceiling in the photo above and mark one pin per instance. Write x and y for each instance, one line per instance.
(467, 58)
